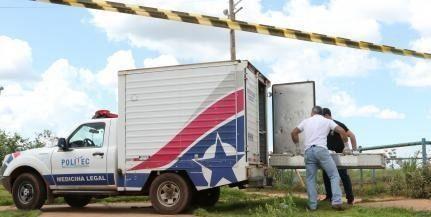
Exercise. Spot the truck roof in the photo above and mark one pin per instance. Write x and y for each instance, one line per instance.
(196, 65)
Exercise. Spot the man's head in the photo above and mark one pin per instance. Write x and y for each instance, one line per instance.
(327, 113)
(317, 110)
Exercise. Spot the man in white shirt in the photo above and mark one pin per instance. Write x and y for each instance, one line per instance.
(316, 129)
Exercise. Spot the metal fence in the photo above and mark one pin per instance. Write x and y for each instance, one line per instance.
(393, 158)
(294, 178)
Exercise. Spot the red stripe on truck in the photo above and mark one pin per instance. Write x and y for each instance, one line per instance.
(207, 120)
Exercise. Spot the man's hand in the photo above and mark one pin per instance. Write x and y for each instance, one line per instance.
(352, 137)
(295, 135)
(347, 151)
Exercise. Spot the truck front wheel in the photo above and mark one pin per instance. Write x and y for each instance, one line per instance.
(28, 192)
(77, 201)
(170, 194)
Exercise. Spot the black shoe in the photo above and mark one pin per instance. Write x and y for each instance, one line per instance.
(309, 209)
(350, 201)
(338, 207)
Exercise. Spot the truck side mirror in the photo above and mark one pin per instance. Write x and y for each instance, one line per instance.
(62, 143)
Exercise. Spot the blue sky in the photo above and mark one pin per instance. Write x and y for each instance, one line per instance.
(381, 97)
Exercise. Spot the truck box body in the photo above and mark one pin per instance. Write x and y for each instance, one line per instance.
(202, 119)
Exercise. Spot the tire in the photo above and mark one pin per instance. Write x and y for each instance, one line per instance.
(170, 194)
(29, 192)
(77, 201)
(208, 197)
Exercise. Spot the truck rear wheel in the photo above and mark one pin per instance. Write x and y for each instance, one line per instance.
(28, 192)
(208, 197)
(77, 201)
(170, 194)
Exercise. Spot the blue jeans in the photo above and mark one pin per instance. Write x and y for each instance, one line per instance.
(316, 157)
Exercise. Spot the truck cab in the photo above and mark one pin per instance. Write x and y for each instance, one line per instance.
(83, 161)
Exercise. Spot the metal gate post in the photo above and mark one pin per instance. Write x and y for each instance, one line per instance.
(424, 153)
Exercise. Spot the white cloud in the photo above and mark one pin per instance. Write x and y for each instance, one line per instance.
(412, 75)
(201, 43)
(55, 102)
(346, 106)
(419, 16)
(422, 44)
(15, 59)
(390, 114)
(64, 95)
(162, 60)
(121, 60)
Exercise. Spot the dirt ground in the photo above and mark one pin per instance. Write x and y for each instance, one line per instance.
(145, 209)
(415, 204)
(384, 202)
(99, 210)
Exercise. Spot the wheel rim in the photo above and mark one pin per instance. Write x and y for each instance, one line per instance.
(168, 194)
(25, 193)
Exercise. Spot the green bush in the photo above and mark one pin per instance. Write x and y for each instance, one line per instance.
(411, 181)
(397, 184)
(10, 143)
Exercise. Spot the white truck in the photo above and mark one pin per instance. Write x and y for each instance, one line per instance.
(181, 133)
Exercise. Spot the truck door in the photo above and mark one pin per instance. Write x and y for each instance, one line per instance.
(292, 103)
(85, 164)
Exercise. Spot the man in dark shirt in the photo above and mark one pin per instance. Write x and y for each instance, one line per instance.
(337, 143)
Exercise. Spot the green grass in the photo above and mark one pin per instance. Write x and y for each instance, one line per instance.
(236, 203)
(19, 213)
(5, 197)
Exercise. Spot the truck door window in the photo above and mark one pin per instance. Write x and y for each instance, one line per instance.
(88, 136)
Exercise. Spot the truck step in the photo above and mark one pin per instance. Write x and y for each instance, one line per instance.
(97, 193)
(360, 161)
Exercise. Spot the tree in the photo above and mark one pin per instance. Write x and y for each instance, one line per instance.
(10, 143)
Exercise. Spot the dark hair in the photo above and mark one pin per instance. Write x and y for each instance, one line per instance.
(327, 111)
(317, 110)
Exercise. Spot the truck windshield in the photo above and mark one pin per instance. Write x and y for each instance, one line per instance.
(88, 136)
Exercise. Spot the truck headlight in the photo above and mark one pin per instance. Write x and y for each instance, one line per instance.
(7, 159)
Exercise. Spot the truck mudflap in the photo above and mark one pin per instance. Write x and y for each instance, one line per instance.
(257, 177)
(360, 161)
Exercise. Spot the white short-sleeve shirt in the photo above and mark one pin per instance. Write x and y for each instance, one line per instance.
(316, 130)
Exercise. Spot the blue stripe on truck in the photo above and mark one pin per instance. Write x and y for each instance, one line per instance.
(81, 179)
(134, 180)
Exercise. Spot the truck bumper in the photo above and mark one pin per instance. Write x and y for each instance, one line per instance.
(5, 180)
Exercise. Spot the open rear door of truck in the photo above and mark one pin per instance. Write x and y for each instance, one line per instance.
(292, 103)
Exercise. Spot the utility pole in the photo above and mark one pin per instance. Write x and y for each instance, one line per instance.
(1, 89)
(231, 14)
